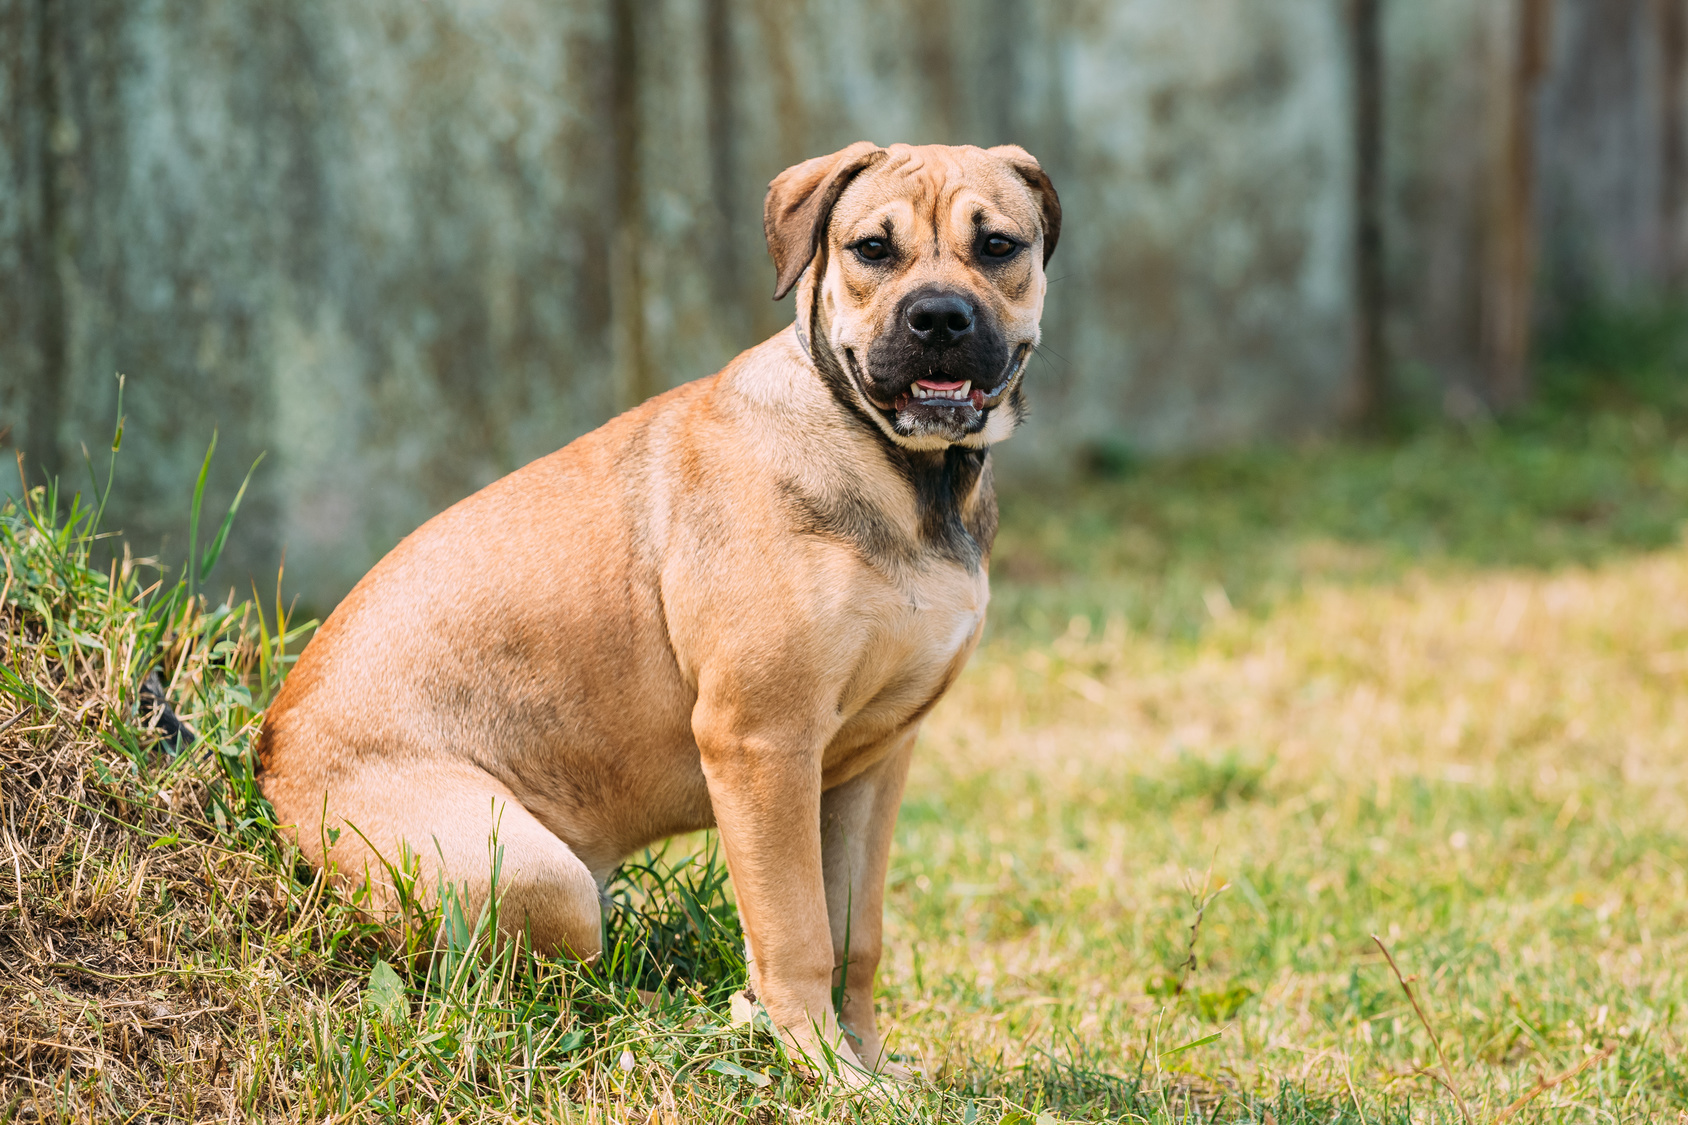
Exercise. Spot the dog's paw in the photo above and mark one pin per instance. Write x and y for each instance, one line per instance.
(898, 1072)
(827, 1061)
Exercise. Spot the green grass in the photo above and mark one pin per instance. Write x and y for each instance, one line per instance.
(1597, 466)
(1235, 716)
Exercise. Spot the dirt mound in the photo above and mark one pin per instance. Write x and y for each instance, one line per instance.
(126, 990)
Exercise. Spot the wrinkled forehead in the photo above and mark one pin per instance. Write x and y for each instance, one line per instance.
(936, 187)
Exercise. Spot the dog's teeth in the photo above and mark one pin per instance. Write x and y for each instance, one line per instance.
(958, 394)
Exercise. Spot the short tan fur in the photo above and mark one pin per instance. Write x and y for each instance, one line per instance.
(728, 607)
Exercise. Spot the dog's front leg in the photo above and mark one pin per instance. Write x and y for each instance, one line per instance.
(857, 823)
(766, 793)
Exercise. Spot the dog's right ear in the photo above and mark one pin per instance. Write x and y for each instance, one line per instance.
(799, 203)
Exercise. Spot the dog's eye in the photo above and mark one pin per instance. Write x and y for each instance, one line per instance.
(1000, 246)
(873, 249)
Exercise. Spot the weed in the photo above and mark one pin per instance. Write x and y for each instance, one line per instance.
(1446, 1078)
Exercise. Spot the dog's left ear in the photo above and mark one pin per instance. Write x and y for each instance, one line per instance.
(1037, 179)
(799, 203)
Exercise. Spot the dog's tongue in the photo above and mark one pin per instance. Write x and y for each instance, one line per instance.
(934, 385)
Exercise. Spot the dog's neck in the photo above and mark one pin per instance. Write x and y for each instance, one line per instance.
(951, 489)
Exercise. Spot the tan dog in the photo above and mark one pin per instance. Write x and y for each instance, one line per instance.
(731, 606)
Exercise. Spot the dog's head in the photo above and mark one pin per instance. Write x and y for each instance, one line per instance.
(920, 281)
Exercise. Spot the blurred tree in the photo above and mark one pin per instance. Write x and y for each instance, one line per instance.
(1371, 357)
(1672, 23)
(634, 381)
(1509, 267)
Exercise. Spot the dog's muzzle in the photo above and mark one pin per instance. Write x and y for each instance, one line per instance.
(937, 405)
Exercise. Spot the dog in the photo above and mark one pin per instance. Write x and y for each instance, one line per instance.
(730, 607)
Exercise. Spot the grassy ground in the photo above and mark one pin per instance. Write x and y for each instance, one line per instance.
(1235, 717)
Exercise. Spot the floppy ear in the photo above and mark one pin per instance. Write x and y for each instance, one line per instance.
(1032, 172)
(799, 203)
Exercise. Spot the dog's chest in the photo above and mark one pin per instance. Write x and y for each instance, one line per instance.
(919, 639)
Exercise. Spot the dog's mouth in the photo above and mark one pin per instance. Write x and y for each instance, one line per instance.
(937, 398)
(936, 392)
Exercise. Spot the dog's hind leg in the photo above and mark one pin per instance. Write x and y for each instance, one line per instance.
(408, 831)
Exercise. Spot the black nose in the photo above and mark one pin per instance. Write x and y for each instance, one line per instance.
(940, 320)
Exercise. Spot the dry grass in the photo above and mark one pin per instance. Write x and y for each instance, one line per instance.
(149, 929)
(1489, 768)
(1564, 678)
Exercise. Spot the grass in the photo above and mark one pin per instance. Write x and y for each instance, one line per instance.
(1235, 717)
(1597, 467)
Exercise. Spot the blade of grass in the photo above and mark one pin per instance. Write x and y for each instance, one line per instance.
(193, 517)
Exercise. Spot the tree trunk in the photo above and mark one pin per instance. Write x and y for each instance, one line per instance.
(1510, 253)
(633, 378)
(1672, 22)
(1371, 358)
